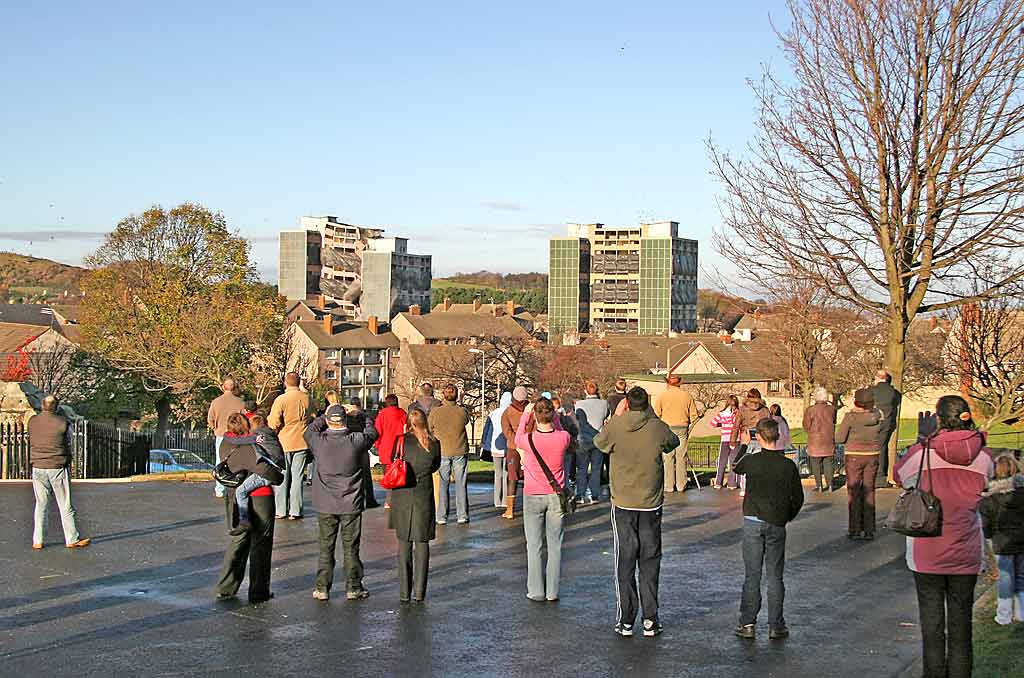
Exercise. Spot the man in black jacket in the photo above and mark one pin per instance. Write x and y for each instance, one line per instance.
(774, 497)
(887, 401)
(340, 455)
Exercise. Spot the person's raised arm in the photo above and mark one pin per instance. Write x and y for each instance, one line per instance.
(522, 439)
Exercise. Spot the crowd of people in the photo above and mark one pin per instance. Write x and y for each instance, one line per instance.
(625, 448)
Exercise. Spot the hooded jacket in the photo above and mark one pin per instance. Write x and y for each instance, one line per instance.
(635, 443)
(509, 425)
(591, 413)
(860, 431)
(751, 411)
(338, 473)
(961, 467)
(820, 424)
(494, 436)
(390, 424)
(1002, 515)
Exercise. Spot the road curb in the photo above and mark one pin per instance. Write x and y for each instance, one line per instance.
(179, 476)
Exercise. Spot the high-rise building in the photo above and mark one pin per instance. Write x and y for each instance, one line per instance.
(298, 267)
(637, 280)
(359, 272)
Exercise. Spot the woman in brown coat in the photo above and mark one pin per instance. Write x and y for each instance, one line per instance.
(859, 431)
(820, 425)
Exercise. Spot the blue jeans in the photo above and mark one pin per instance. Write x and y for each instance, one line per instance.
(589, 460)
(218, 489)
(459, 465)
(252, 482)
(764, 545)
(288, 495)
(1011, 575)
(544, 526)
(55, 482)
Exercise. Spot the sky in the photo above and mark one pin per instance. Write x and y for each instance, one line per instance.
(475, 130)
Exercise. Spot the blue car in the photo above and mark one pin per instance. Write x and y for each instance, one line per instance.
(167, 461)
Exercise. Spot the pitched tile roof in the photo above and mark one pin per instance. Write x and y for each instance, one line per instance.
(346, 335)
(639, 354)
(27, 314)
(458, 325)
(15, 335)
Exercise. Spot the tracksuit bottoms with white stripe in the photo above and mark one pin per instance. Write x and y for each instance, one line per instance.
(637, 536)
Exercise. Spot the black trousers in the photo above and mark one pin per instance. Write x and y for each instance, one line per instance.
(369, 500)
(413, 565)
(350, 525)
(637, 537)
(824, 470)
(945, 602)
(256, 546)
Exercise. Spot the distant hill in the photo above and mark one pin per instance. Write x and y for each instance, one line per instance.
(29, 279)
(501, 281)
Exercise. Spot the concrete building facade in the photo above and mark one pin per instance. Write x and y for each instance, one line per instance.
(298, 264)
(633, 280)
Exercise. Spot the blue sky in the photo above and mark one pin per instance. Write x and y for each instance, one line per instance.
(477, 131)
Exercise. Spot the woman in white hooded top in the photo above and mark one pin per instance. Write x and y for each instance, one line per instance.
(494, 441)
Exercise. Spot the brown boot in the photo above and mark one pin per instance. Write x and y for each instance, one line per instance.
(510, 503)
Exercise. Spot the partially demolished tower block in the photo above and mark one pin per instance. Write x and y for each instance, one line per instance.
(364, 274)
(636, 280)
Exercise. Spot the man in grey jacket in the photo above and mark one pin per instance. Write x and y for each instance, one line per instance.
(338, 496)
(51, 473)
(591, 413)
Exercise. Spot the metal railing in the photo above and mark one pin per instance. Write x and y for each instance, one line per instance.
(97, 451)
(202, 443)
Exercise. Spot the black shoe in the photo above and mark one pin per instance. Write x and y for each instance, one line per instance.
(744, 631)
(372, 505)
(868, 536)
(357, 595)
(259, 601)
(778, 633)
(652, 628)
(625, 630)
(226, 596)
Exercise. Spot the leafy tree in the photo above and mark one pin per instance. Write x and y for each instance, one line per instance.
(172, 297)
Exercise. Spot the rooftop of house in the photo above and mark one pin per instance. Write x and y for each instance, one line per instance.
(642, 354)
(347, 335)
(458, 325)
(40, 315)
(14, 336)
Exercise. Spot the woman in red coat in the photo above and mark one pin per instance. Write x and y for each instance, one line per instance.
(390, 425)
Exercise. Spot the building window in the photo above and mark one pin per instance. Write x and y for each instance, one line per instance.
(774, 386)
(332, 354)
(330, 374)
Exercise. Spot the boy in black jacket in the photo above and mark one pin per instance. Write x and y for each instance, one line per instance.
(774, 497)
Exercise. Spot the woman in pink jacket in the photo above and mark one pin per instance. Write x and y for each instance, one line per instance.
(542, 508)
(957, 467)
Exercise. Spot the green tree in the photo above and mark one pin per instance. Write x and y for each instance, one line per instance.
(172, 297)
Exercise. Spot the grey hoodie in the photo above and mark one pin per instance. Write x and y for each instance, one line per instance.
(591, 413)
(496, 442)
(635, 443)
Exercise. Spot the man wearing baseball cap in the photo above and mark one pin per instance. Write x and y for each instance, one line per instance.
(340, 455)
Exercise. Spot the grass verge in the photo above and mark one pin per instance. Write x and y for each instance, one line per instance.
(998, 650)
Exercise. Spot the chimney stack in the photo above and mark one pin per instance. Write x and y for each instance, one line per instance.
(414, 309)
(510, 307)
(328, 322)
(447, 304)
(371, 324)
(476, 304)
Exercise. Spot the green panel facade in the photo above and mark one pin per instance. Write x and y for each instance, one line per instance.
(564, 285)
(655, 285)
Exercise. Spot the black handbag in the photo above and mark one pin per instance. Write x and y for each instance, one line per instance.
(918, 512)
(226, 477)
(565, 496)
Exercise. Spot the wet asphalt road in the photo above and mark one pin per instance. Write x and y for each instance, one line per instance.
(139, 601)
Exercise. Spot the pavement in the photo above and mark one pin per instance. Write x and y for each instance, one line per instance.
(139, 601)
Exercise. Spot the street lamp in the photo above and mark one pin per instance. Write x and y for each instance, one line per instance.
(483, 379)
(668, 354)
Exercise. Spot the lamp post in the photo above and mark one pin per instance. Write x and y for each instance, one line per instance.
(483, 378)
(668, 355)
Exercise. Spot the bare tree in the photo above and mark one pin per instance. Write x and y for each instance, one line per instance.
(708, 395)
(987, 352)
(888, 168)
(54, 370)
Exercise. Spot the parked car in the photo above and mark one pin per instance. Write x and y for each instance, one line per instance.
(165, 461)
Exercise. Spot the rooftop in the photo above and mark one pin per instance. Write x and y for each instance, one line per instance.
(455, 325)
(346, 335)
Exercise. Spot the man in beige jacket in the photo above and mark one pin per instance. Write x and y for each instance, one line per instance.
(222, 407)
(676, 408)
(289, 416)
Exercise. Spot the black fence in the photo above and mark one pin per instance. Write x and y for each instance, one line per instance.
(97, 451)
(704, 456)
(200, 442)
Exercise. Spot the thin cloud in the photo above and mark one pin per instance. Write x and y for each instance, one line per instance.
(41, 234)
(503, 206)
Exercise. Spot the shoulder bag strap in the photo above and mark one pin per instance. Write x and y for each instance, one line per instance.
(544, 467)
(399, 451)
(925, 455)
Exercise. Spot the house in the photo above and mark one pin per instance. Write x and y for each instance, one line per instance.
(509, 308)
(454, 328)
(356, 358)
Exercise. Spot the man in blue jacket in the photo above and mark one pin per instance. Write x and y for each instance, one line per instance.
(338, 499)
